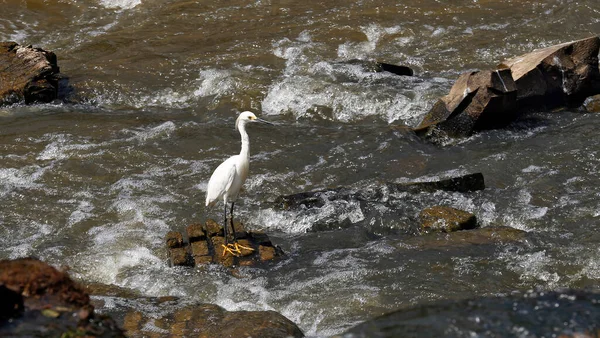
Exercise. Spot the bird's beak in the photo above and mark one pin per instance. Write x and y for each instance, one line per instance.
(264, 122)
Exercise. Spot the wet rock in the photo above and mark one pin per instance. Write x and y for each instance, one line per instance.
(568, 313)
(46, 300)
(556, 76)
(446, 219)
(479, 236)
(560, 75)
(376, 67)
(205, 245)
(208, 320)
(592, 104)
(477, 101)
(381, 193)
(27, 74)
(174, 239)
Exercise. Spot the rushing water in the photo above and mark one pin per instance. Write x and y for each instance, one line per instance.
(96, 184)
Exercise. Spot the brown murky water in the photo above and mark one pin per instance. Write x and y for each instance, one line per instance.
(95, 184)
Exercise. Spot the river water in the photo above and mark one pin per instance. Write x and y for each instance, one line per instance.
(96, 184)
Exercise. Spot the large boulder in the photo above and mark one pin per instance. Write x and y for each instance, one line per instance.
(176, 317)
(559, 75)
(556, 76)
(564, 313)
(477, 101)
(27, 74)
(39, 298)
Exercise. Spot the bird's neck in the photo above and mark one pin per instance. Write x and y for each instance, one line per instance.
(245, 152)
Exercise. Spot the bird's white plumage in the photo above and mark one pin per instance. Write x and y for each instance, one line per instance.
(227, 180)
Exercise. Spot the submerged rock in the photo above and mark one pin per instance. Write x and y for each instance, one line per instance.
(446, 219)
(27, 74)
(205, 241)
(556, 76)
(38, 298)
(380, 194)
(207, 320)
(478, 236)
(565, 313)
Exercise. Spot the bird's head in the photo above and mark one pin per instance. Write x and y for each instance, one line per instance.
(246, 117)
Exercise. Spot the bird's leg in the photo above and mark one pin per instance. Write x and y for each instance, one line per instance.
(237, 247)
(231, 220)
(227, 247)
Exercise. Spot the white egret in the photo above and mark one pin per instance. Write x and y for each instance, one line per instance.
(227, 180)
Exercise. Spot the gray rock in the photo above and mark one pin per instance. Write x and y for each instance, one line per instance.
(316, 199)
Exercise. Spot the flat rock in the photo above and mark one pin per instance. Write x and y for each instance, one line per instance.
(27, 74)
(446, 219)
(481, 236)
(39, 298)
(208, 320)
(563, 75)
(205, 245)
(380, 193)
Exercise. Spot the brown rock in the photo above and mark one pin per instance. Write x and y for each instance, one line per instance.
(221, 257)
(174, 239)
(178, 257)
(213, 228)
(592, 104)
(479, 236)
(246, 243)
(47, 301)
(446, 219)
(208, 320)
(195, 232)
(204, 249)
(477, 101)
(266, 253)
(557, 76)
(199, 248)
(27, 74)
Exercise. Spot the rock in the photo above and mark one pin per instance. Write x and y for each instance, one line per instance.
(592, 104)
(563, 313)
(208, 320)
(174, 239)
(479, 236)
(377, 67)
(46, 300)
(446, 219)
(477, 101)
(379, 194)
(205, 246)
(463, 184)
(556, 76)
(27, 74)
(559, 75)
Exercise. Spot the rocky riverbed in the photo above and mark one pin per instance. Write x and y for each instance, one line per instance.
(96, 171)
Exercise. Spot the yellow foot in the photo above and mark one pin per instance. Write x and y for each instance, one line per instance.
(235, 249)
(232, 249)
(238, 246)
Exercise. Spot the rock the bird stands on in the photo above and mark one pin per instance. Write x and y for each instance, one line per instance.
(202, 244)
